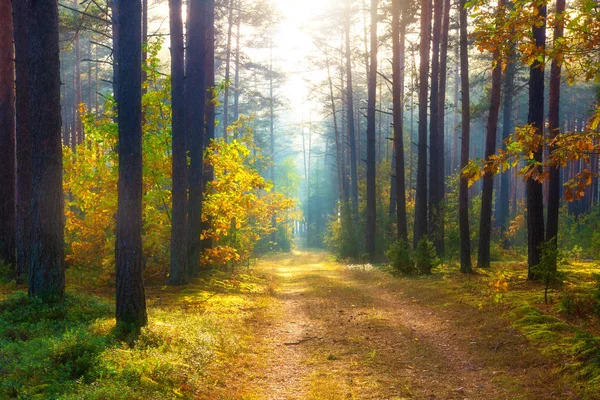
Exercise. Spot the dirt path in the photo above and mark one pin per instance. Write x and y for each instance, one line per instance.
(352, 333)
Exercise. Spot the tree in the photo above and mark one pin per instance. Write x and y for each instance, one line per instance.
(485, 222)
(130, 294)
(420, 228)
(371, 139)
(463, 201)
(7, 137)
(535, 194)
(179, 163)
(195, 97)
(554, 129)
(436, 139)
(398, 32)
(23, 142)
(350, 117)
(46, 268)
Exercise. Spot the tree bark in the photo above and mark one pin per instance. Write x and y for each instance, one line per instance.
(535, 194)
(485, 221)
(371, 140)
(554, 129)
(178, 275)
(23, 139)
(130, 295)
(398, 33)
(227, 70)
(436, 139)
(7, 138)
(195, 93)
(421, 225)
(46, 270)
(350, 119)
(463, 200)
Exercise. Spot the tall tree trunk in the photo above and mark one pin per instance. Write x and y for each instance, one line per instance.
(114, 8)
(553, 130)
(227, 70)
(195, 93)
(463, 200)
(454, 163)
(421, 225)
(535, 194)
(178, 274)
(47, 270)
(485, 221)
(436, 170)
(441, 173)
(342, 193)
(371, 139)
(398, 33)
(130, 295)
(144, 44)
(350, 118)
(23, 142)
(503, 200)
(208, 171)
(7, 138)
(236, 78)
(77, 137)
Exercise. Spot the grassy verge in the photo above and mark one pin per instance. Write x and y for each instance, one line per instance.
(565, 330)
(197, 337)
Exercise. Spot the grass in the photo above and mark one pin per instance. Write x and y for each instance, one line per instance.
(197, 337)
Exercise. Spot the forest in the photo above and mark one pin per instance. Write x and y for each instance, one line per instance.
(320, 200)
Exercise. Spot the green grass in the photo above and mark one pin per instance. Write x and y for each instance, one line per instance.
(196, 337)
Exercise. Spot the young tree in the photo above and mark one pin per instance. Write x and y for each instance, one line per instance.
(485, 222)
(130, 296)
(179, 153)
(463, 200)
(398, 33)
(420, 228)
(535, 193)
(46, 268)
(371, 138)
(195, 97)
(7, 137)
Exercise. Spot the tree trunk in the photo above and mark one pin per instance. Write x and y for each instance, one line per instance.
(227, 70)
(463, 201)
(485, 221)
(130, 296)
(47, 270)
(554, 129)
(436, 170)
(236, 79)
(350, 119)
(421, 226)
(7, 138)
(398, 33)
(535, 194)
(195, 94)
(371, 139)
(178, 274)
(23, 142)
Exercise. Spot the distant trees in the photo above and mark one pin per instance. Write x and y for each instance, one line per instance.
(7, 138)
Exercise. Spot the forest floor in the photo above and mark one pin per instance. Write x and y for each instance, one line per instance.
(301, 326)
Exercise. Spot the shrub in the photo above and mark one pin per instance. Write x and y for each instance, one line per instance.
(425, 256)
(400, 257)
(576, 305)
(547, 269)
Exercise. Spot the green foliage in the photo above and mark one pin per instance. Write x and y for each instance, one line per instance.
(426, 256)
(400, 257)
(575, 305)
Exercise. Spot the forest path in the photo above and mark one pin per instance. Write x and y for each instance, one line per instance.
(352, 332)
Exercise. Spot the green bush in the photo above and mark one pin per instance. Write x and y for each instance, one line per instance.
(547, 270)
(425, 256)
(576, 305)
(400, 257)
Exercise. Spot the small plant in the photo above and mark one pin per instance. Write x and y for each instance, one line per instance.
(498, 287)
(576, 305)
(576, 253)
(400, 257)
(547, 270)
(425, 256)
